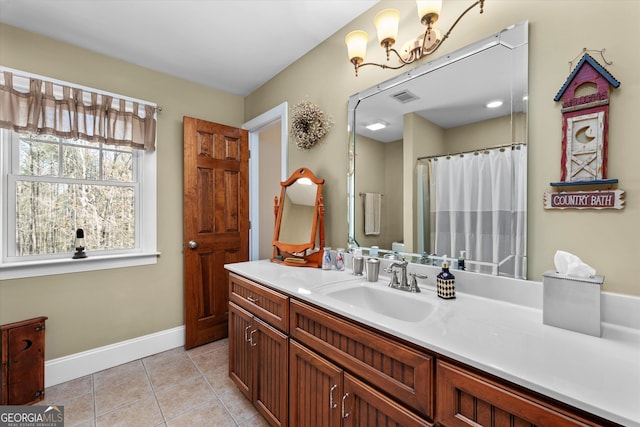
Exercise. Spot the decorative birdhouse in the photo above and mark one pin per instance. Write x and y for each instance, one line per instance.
(585, 124)
(585, 121)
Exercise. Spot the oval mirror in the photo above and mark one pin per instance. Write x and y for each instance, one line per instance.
(299, 228)
(435, 130)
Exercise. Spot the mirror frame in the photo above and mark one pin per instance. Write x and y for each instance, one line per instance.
(301, 254)
(513, 36)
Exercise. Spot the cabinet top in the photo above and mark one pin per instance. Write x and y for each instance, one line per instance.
(598, 375)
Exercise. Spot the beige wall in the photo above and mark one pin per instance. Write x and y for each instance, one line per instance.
(558, 30)
(269, 182)
(88, 310)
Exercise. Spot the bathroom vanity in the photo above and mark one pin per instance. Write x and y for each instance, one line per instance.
(315, 347)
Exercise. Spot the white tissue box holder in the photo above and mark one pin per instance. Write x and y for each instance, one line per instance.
(572, 303)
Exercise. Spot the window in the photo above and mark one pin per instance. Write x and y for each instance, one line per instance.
(53, 186)
(74, 157)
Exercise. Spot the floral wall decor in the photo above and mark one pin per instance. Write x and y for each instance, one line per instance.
(309, 124)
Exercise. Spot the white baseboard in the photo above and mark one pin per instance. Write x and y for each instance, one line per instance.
(77, 365)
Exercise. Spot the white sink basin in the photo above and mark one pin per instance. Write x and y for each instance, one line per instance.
(380, 299)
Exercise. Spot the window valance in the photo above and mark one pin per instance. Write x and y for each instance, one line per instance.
(41, 106)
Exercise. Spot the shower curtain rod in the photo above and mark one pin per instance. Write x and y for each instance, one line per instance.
(472, 151)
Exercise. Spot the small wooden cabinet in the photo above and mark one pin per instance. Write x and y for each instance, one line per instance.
(258, 352)
(324, 395)
(22, 357)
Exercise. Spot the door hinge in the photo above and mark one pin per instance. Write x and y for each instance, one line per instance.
(249, 153)
(40, 328)
(249, 225)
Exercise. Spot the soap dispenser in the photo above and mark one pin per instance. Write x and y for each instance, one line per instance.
(446, 283)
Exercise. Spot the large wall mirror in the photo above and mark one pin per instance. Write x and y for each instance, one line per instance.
(445, 176)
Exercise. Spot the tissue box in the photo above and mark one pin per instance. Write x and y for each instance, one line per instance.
(572, 302)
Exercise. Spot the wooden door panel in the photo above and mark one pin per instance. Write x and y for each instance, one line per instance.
(272, 373)
(240, 361)
(466, 399)
(216, 223)
(367, 407)
(315, 389)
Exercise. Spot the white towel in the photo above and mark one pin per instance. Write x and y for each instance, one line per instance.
(372, 208)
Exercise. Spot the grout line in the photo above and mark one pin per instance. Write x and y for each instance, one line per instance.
(93, 395)
(153, 390)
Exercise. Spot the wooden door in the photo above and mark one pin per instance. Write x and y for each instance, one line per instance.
(315, 389)
(216, 223)
(271, 387)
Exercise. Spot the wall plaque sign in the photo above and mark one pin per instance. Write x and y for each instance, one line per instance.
(585, 125)
(612, 199)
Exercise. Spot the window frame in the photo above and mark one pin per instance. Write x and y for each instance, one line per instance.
(145, 252)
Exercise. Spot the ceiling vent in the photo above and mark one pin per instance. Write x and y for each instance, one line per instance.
(404, 96)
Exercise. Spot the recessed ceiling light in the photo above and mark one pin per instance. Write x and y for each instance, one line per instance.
(494, 104)
(377, 125)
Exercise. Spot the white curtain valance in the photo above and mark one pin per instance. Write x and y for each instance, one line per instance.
(41, 106)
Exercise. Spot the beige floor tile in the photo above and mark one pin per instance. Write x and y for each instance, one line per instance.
(211, 414)
(77, 387)
(120, 392)
(212, 359)
(257, 421)
(184, 397)
(120, 373)
(209, 347)
(169, 374)
(78, 410)
(164, 358)
(237, 404)
(142, 413)
(219, 379)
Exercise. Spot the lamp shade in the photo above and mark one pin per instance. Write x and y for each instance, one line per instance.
(386, 22)
(429, 10)
(357, 45)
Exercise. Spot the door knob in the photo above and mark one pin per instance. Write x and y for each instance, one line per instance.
(193, 244)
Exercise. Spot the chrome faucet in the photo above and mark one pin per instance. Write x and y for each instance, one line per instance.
(402, 265)
(403, 284)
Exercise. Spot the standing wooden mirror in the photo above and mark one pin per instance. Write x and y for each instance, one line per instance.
(298, 236)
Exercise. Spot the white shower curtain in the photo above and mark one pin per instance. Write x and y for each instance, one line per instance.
(478, 205)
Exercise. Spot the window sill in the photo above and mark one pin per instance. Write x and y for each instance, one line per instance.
(18, 270)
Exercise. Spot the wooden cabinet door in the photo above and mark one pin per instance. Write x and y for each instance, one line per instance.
(402, 372)
(367, 407)
(240, 361)
(22, 373)
(315, 389)
(271, 365)
(467, 399)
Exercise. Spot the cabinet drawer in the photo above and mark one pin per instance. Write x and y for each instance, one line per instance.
(403, 373)
(260, 301)
(468, 399)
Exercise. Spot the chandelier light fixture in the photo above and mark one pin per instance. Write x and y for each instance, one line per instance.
(386, 23)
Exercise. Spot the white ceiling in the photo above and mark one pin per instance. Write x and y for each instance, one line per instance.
(232, 45)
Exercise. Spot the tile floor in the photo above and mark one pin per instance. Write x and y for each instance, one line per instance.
(169, 389)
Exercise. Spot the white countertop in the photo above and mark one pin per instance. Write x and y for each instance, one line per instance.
(598, 375)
